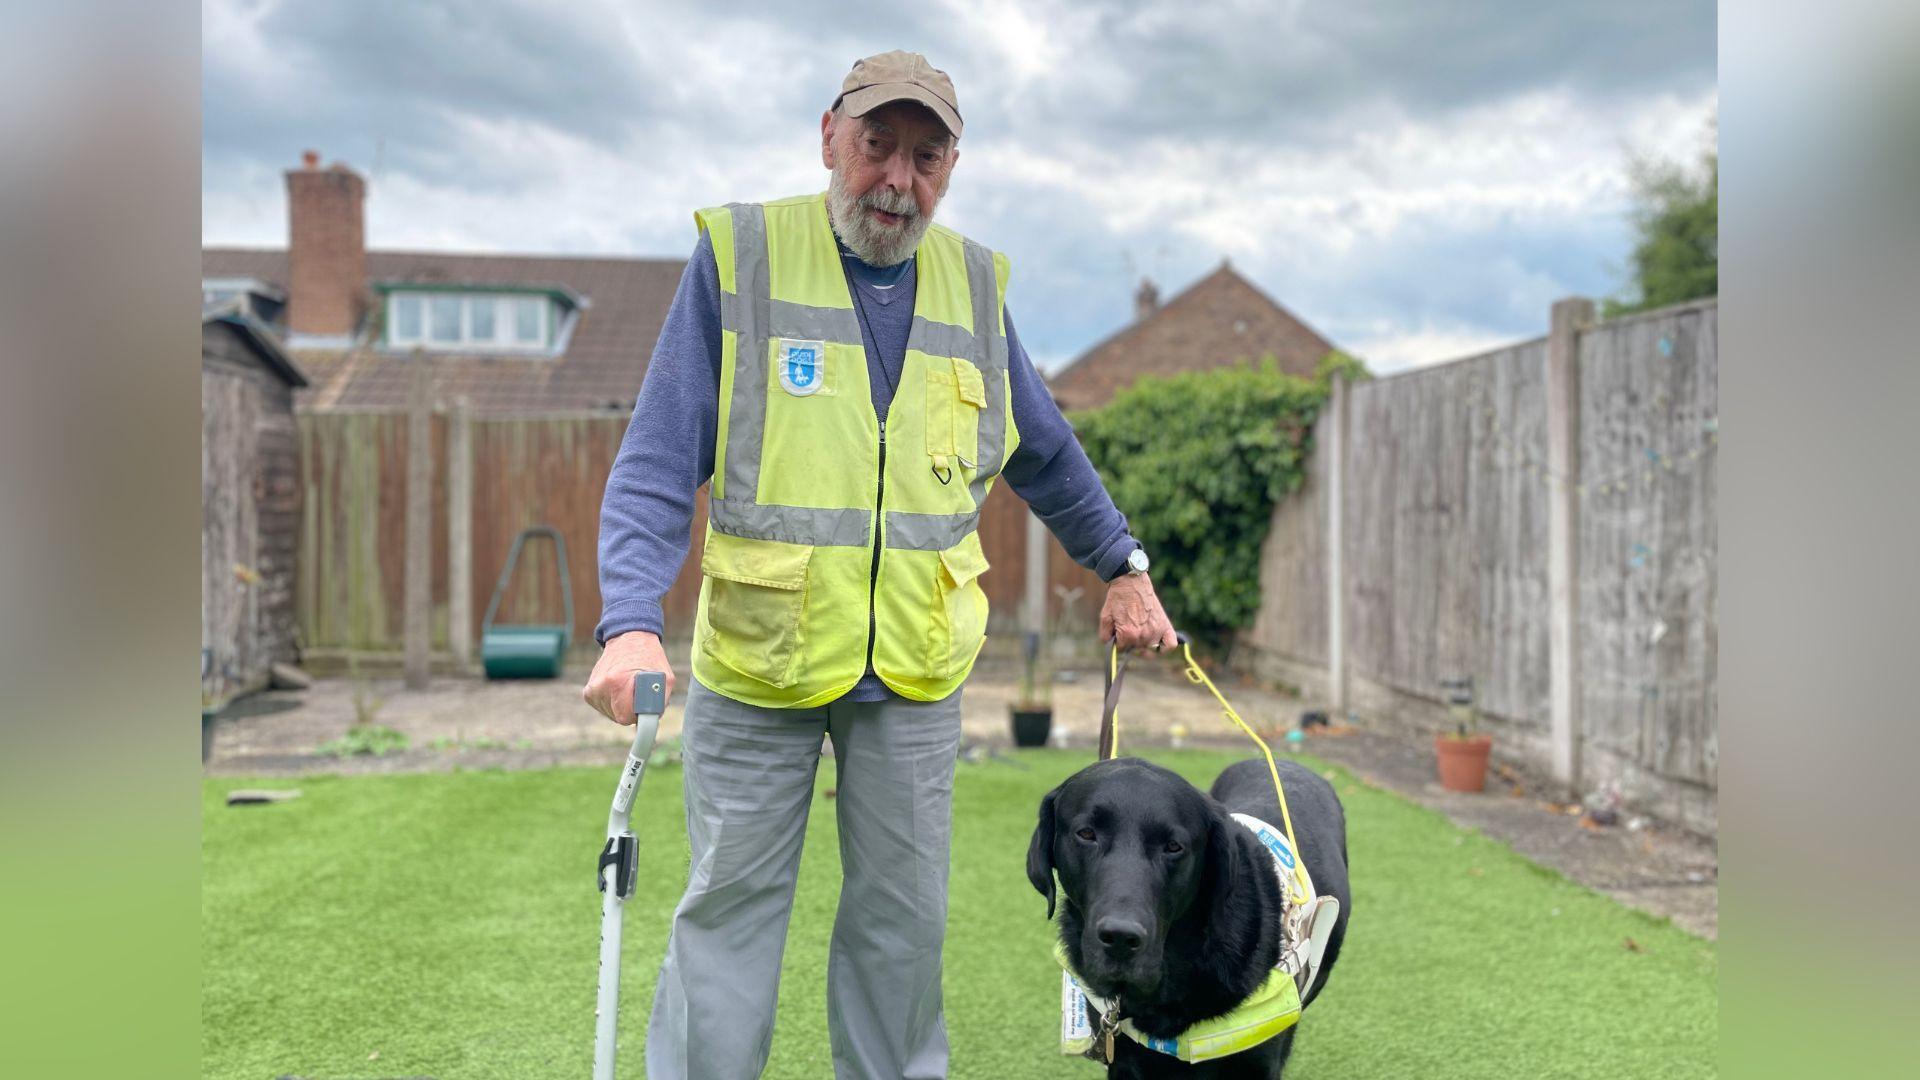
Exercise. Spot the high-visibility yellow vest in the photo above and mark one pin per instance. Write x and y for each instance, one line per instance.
(815, 553)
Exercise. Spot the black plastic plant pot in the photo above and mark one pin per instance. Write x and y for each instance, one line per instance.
(1031, 726)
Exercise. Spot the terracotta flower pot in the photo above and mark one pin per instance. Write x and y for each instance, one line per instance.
(1463, 762)
(1031, 726)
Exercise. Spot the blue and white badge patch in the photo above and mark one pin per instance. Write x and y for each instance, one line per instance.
(803, 366)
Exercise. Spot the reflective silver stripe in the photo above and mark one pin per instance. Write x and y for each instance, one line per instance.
(791, 524)
(992, 361)
(814, 323)
(929, 532)
(984, 291)
(747, 410)
(735, 313)
(789, 320)
(939, 339)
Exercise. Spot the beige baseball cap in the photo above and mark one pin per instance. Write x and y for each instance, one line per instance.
(899, 76)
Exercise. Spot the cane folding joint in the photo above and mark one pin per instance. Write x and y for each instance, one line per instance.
(623, 854)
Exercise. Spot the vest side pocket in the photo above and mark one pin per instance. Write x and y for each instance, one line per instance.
(756, 592)
(971, 391)
(955, 397)
(960, 624)
(942, 410)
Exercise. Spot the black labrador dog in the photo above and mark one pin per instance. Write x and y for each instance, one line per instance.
(1171, 907)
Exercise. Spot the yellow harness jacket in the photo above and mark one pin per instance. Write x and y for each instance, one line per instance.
(834, 534)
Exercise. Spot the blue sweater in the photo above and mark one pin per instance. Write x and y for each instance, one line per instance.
(668, 449)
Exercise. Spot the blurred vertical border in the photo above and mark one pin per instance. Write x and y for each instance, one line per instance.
(1820, 518)
(99, 813)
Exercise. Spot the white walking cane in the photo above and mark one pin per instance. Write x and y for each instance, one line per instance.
(618, 861)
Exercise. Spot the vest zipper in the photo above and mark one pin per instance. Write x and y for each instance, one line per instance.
(873, 575)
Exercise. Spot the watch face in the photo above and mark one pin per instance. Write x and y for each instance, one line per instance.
(1137, 561)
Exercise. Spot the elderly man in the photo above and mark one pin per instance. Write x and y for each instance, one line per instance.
(846, 374)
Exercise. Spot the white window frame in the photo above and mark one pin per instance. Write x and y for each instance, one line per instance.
(393, 319)
(511, 327)
(506, 322)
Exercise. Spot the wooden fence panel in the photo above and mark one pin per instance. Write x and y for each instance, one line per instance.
(353, 541)
(1649, 543)
(545, 471)
(352, 548)
(1446, 548)
(1446, 520)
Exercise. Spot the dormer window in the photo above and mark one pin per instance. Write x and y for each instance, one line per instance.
(477, 319)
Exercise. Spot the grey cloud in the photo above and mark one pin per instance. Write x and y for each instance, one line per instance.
(348, 73)
(651, 87)
(551, 64)
(1299, 71)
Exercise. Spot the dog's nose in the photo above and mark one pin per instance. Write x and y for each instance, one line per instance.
(1122, 937)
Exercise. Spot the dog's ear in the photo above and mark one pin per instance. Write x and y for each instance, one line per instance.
(1222, 856)
(1040, 852)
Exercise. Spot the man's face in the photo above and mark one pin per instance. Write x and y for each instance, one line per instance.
(890, 170)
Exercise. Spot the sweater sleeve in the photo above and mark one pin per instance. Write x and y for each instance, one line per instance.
(667, 453)
(1050, 471)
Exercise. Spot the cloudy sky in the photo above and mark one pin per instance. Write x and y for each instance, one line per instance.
(1417, 180)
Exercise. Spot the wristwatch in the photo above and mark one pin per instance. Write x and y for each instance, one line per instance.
(1137, 561)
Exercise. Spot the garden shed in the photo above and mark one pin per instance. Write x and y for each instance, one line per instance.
(249, 502)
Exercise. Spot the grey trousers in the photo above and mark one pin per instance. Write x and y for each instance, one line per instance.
(749, 778)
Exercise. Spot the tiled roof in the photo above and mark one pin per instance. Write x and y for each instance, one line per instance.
(605, 358)
(1220, 319)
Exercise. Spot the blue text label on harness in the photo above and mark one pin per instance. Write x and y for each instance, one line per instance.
(1277, 845)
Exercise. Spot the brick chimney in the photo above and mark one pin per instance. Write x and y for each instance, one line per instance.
(326, 247)
(1147, 300)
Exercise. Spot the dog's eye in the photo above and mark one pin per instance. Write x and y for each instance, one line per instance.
(1174, 847)
(1085, 834)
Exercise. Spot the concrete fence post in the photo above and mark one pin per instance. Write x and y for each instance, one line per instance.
(1569, 318)
(460, 533)
(417, 624)
(1033, 610)
(1335, 453)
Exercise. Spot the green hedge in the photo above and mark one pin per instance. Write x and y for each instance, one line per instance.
(1197, 462)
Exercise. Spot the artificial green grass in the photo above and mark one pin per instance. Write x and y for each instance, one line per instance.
(449, 923)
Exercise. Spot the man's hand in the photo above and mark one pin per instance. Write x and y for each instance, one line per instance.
(1132, 616)
(610, 687)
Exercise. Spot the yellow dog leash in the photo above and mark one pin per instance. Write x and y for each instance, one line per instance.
(1110, 738)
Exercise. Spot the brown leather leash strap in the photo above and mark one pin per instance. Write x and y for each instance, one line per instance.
(1115, 673)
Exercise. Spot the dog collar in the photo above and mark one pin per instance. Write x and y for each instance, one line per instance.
(1269, 1010)
(1272, 1008)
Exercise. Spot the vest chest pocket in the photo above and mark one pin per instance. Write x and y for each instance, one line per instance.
(960, 625)
(955, 396)
(755, 592)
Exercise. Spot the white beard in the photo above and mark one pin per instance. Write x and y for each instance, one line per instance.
(874, 243)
